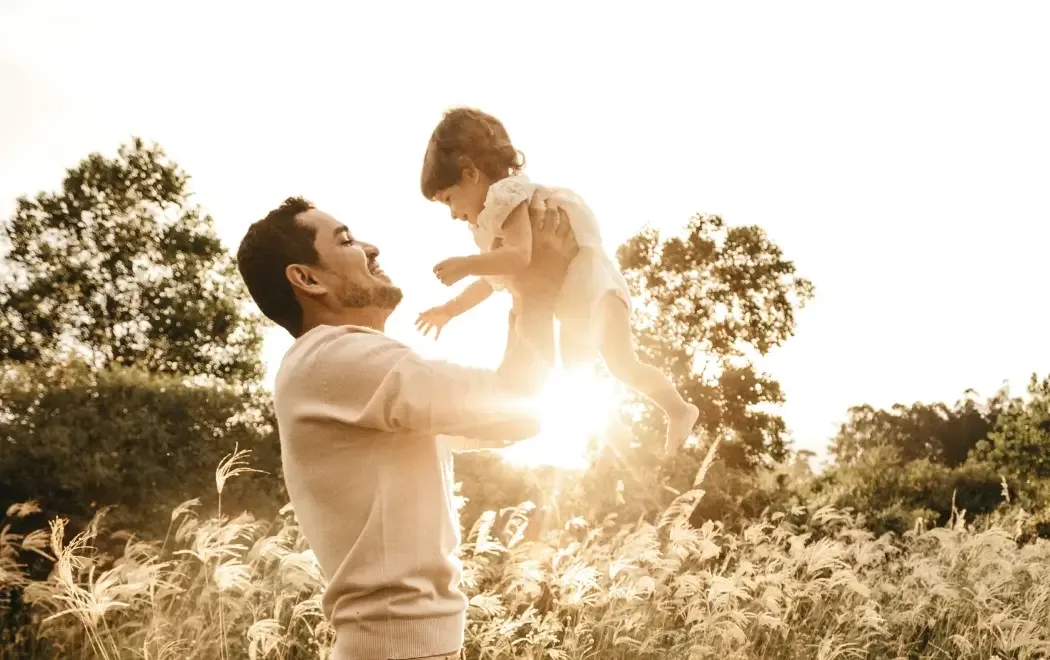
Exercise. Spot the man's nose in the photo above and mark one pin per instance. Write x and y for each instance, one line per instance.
(371, 251)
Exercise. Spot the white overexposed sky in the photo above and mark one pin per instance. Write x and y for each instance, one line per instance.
(899, 152)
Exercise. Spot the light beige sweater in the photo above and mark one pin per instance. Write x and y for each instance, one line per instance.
(360, 418)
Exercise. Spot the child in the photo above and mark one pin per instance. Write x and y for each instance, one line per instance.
(472, 167)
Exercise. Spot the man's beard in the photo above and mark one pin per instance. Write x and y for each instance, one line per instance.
(386, 296)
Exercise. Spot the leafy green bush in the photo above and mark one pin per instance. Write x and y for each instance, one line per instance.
(893, 495)
(77, 441)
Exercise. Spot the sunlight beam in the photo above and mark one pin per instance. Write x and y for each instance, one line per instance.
(573, 408)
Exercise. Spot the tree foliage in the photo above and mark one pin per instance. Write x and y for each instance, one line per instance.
(712, 301)
(1020, 443)
(119, 268)
(936, 432)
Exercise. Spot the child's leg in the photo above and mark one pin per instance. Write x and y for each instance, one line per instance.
(617, 346)
(512, 321)
(529, 356)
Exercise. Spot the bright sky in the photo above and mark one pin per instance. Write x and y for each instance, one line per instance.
(897, 151)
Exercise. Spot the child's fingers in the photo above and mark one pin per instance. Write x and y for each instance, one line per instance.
(427, 327)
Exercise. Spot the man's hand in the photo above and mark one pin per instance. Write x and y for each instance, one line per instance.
(434, 318)
(550, 224)
(553, 246)
(451, 270)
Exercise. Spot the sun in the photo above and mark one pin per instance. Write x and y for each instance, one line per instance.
(573, 407)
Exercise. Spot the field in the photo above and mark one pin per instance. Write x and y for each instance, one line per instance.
(805, 584)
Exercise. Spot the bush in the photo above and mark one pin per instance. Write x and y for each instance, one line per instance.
(78, 441)
(639, 485)
(893, 495)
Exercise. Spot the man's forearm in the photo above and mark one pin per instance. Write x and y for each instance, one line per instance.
(497, 435)
(394, 389)
(448, 399)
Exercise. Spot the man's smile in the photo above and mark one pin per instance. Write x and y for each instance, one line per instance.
(374, 269)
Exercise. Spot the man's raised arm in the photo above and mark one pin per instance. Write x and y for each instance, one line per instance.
(390, 387)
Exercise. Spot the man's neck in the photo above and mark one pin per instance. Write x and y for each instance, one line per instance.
(365, 317)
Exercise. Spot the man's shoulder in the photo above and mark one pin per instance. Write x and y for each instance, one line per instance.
(326, 334)
(340, 347)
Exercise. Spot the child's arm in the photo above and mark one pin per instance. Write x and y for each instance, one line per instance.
(510, 258)
(515, 254)
(475, 294)
(437, 317)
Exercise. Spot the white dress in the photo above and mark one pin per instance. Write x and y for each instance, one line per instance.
(591, 275)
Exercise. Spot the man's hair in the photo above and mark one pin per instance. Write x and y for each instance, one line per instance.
(267, 249)
(467, 137)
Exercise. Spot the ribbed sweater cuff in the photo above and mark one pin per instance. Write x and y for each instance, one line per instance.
(399, 638)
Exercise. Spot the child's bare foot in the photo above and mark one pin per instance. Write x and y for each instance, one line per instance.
(680, 423)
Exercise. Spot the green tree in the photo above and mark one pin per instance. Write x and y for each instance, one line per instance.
(1020, 443)
(938, 432)
(119, 268)
(712, 301)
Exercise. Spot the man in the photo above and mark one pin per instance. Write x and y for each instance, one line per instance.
(362, 420)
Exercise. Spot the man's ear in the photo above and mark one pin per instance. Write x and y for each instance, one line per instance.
(302, 278)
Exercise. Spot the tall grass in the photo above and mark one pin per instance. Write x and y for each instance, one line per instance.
(806, 584)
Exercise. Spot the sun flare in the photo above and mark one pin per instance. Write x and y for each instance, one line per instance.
(573, 408)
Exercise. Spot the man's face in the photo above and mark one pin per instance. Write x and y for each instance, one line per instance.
(348, 268)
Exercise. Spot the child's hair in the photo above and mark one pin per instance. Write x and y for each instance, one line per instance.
(467, 137)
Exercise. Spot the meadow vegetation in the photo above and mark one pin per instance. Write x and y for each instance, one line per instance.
(805, 583)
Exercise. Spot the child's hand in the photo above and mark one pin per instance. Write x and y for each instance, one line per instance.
(451, 270)
(433, 319)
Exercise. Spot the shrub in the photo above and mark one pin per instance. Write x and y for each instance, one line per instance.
(78, 441)
(893, 495)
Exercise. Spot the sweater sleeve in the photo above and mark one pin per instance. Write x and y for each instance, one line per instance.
(388, 386)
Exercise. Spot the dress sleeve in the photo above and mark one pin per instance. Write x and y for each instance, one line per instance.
(503, 197)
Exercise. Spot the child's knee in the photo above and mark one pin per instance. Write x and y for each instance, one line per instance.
(623, 367)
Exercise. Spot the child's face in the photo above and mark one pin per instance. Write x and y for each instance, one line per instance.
(466, 199)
